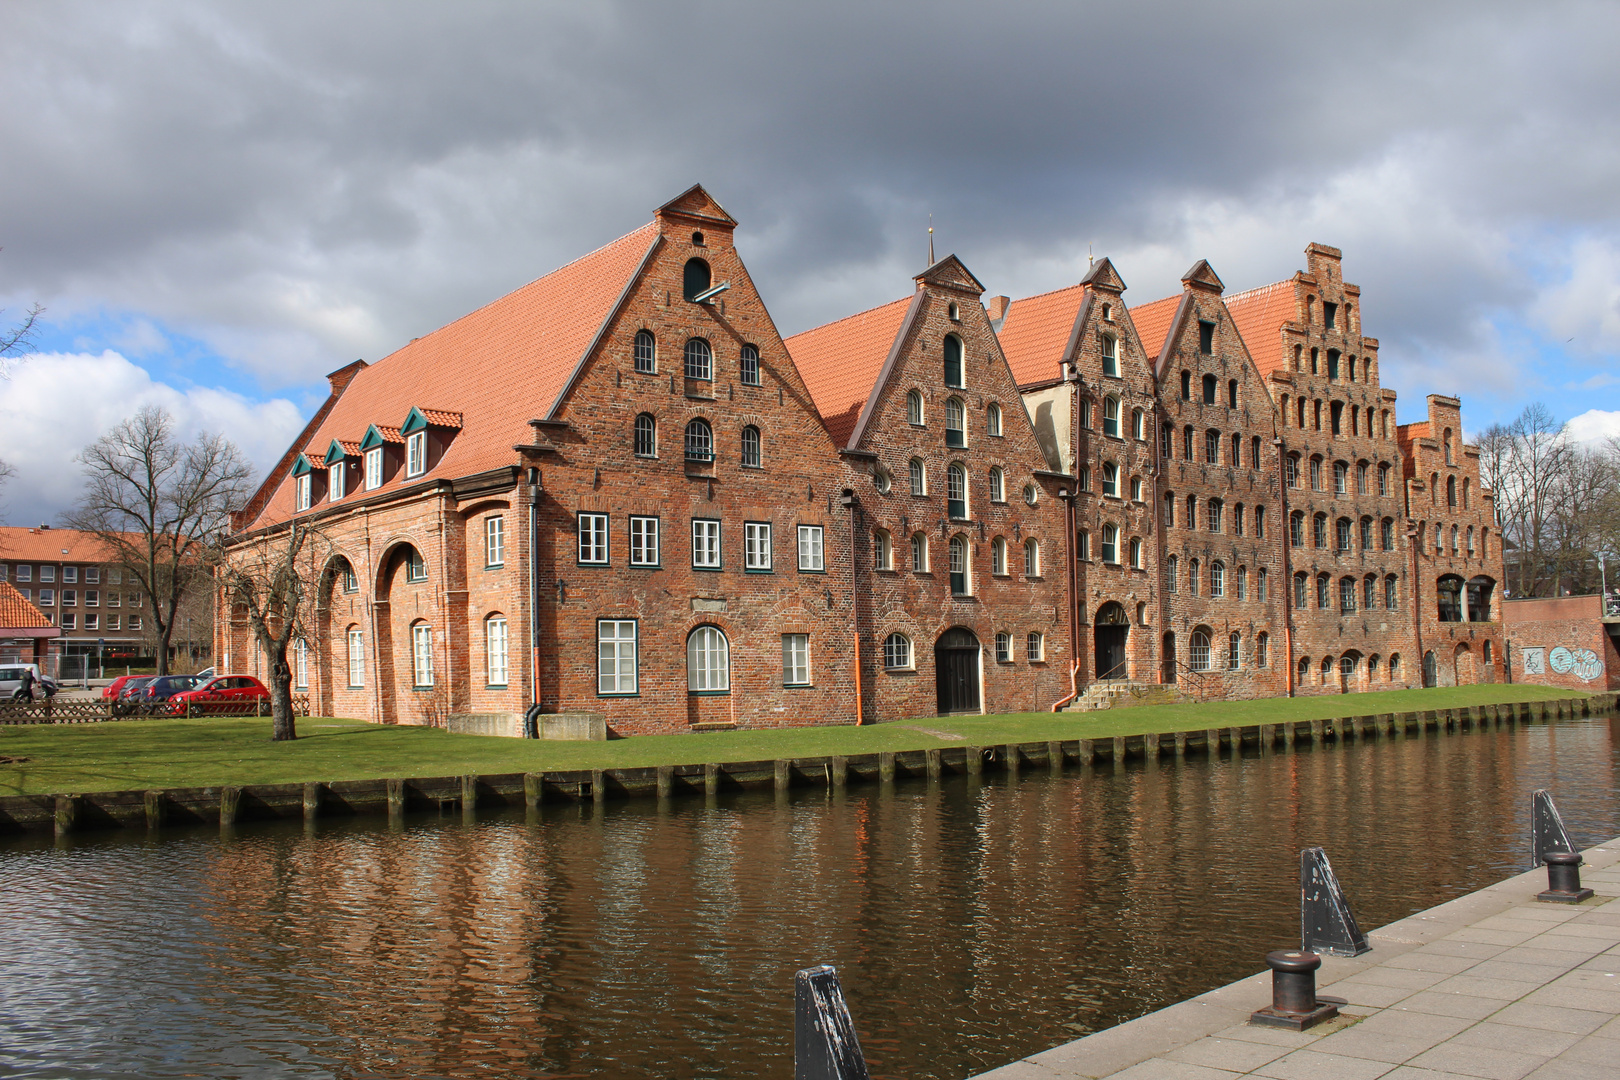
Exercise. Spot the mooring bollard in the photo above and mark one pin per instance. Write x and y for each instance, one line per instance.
(1293, 993)
(1564, 879)
(825, 1046)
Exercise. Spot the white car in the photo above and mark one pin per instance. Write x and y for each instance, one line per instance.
(11, 683)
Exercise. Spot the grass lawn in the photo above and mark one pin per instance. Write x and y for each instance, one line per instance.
(199, 753)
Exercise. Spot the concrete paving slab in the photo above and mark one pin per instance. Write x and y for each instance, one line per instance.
(1496, 1036)
(1237, 1055)
(1315, 1065)
(1408, 979)
(1357, 992)
(1594, 1051)
(1559, 1069)
(1412, 1072)
(1426, 1027)
(1022, 1070)
(1465, 1006)
(1550, 1018)
(1477, 986)
(1575, 997)
(1374, 1045)
(1479, 1061)
(1438, 963)
(1479, 950)
(1164, 1069)
(1500, 968)
(1269, 1036)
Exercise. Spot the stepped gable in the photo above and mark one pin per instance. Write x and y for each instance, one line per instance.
(843, 362)
(1260, 315)
(497, 367)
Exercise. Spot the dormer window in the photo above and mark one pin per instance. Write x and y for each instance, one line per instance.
(416, 453)
(337, 475)
(302, 487)
(374, 468)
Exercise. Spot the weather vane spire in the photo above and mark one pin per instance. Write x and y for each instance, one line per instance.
(930, 239)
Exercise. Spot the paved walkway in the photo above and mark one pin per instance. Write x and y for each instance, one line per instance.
(1494, 984)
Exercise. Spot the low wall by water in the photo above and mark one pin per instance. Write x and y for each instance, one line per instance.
(225, 805)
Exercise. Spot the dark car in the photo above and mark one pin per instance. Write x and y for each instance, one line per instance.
(129, 695)
(155, 695)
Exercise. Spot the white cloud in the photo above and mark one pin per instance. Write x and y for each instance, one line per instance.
(1595, 425)
(55, 404)
(1582, 310)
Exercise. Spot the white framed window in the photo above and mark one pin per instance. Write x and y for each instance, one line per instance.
(47, 573)
(706, 544)
(1110, 479)
(751, 447)
(1138, 425)
(749, 363)
(896, 652)
(1110, 355)
(795, 659)
(301, 487)
(757, 546)
(68, 620)
(374, 468)
(1136, 553)
(1198, 651)
(421, 655)
(919, 477)
(115, 576)
(337, 477)
(1217, 580)
(1136, 489)
(25, 573)
(1110, 544)
(616, 659)
(134, 622)
(300, 664)
(811, 556)
(998, 485)
(495, 540)
(92, 597)
(357, 656)
(1082, 544)
(70, 575)
(998, 557)
(92, 621)
(495, 649)
(919, 553)
(992, 420)
(955, 422)
(112, 622)
(958, 554)
(644, 541)
(593, 539)
(1035, 647)
(882, 551)
(914, 408)
(1111, 417)
(708, 661)
(47, 597)
(1032, 557)
(416, 453)
(646, 352)
(1003, 648)
(646, 435)
(70, 597)
(699, 359)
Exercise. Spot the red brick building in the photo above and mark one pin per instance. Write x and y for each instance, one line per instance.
(1563, 641)
(618, 491)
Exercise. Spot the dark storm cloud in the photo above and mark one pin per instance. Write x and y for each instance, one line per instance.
(303, 183)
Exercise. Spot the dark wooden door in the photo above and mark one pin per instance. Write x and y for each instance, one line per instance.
(956, 674)
(1110, 651)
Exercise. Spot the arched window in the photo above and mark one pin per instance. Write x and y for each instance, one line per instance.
(1319, 530)
(1479, 599)
(896, 652)
(750, 447)
(1212, 515)
(1454, 539)
(1212, 446)
(1304, 669)
(1372, 667)
(1217, 580)
(646, 436)
(1300, 589)
(1243, 583)
(421, 654)
(992, 420)
(1032, 558)
(1209, 389)
(914, 408)
(1366, 534)
(998, 557)
(708, 661)
(1171, 567)
(1451, 491)
(998, 484)
(1261, 585)
(1110, 544)
(1470, 548)
(1369, 592)
(1138, 426)
(1394, 666)
(882, 551)
(1341, 473)
(646, 352)
(1361, 478)
(1323, 588)
(1383, 478)
(415, 565)
(1465, 500)
(1194, 577)
(1333, 363)
(1082, 544)
(1187, 443)
(1186, 386)
(1262, 643)
(953, 361)
(1386, 534)
(699, 441)
(1316, 474)
(356, 640)
(955, 435)
(1237, 451)
(699, 359)
(1198, 650)
(695, 281)
(956, 491)
(1390, 588)
(1327, 669)
(1291, 470)
(1483, 553)
(1085, 413)
(1111, 416)
(1233, 646)
(1434, 489)
(1136, 553)
(1110, 355)
(919, 553)
(1110, 479)
(495, 649)
(1169, 510)
(1445, 440)
(1448, 597)
(919, 477)
(959, 565)
(1231, 393)
(748, 362)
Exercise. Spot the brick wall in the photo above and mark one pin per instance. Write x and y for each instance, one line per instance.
(1560, 641)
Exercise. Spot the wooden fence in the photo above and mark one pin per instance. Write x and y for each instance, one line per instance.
(100, 710)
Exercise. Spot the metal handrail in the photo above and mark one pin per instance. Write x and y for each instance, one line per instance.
(1203, 685)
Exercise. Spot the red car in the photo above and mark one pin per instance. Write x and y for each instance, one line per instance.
(111, 691)
(239, 695)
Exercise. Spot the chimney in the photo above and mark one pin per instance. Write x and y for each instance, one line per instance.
(997, 308)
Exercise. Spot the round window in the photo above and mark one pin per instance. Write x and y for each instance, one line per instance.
(1031, 493)
(881, 479)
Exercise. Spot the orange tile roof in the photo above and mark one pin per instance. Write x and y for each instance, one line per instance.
(440, 418)
(23, 544)
(1035, 332)
(1153, 321)
(389, 435)
(1417, 430)
(500, 365)
(17, 613)
(1259, 315)
(350, 448)
(841, 361)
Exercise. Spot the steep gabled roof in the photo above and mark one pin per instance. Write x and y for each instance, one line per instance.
(1036, 331)
(498, 366)
(1259, 315)
(841, 363)
(1153, 324)
(17, 613)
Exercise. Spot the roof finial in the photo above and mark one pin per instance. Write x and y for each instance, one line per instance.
(930, 239)
(1089, 260)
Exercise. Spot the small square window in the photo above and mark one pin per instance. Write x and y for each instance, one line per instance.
(92, 598)
(92, 575)
(67, 620)
(47, 573)
(92, 621)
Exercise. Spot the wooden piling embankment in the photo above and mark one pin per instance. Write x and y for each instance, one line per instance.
(226, 806)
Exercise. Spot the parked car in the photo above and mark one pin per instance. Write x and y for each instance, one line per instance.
(114, 689)
(11, 683)
(129, 695)
(235, 694)
(154, 696)
(207, 673)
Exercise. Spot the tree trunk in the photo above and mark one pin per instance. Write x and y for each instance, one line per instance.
(281, 707)
(162, 659)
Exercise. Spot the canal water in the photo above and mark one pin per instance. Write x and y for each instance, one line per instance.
(972, 923)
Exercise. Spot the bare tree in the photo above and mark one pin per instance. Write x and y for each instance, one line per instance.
(1524, 464)
(19, 339)
(156, 502)
(269, 578)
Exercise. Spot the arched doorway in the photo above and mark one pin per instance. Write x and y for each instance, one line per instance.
(1464, 665)
(1109, 632)
(956, 671)
(1430, 674)
(1169, 657)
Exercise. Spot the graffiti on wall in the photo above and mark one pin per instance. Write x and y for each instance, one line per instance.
(1584, 664)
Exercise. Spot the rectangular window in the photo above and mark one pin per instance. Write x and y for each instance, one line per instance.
(67, 620)
(1035, 648)
(357, 657)
(27, 594)
(302, 486)
(134, 622)
(300, 664)
(47, 597)
(92, 621)
(422, 655)
(495, 650)
(47, 573)
(115, 576)
(495, 541)
(70, 597)
(337, 477)
(374, 466)
(593, 539)
(810, 550)
(706, 544)
(643, 541)
(1330, 315)
(796, 659)
(92, 597)
(5, 570)
(757, 546)
(616, 656)
(1206, 337)
(112, 622)
(416, 453)
(70, 574)
(25, 573)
